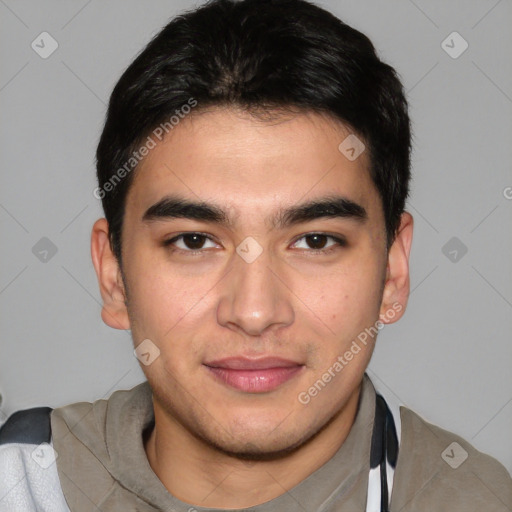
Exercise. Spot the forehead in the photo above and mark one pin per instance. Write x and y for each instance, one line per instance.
(248, 163)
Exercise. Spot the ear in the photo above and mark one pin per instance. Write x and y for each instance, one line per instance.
(396, 289)
(114, 312)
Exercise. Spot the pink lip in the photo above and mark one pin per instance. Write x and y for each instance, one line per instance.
(254, 375)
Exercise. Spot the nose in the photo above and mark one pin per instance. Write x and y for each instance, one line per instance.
(255, 297)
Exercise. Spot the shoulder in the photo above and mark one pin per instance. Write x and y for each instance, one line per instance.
(27, 463)
(439, 469)
(88, 420)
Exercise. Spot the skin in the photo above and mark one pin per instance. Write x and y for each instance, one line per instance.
(212, 445)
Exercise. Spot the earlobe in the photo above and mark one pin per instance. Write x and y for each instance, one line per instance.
(396, 289)
(114, 312)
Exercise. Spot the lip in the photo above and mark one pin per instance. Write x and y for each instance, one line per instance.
(246, 363)
(254, 375)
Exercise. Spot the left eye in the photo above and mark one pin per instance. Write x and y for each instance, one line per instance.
(318, 241)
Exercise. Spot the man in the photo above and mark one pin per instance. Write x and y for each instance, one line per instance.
(253, 170)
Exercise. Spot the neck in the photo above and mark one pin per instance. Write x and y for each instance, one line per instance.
(199, 474)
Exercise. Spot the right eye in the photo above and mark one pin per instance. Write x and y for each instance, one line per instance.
(190, 242)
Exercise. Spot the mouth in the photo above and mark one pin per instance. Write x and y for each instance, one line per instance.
(254, 375)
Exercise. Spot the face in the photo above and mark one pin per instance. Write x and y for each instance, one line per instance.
(248, 303)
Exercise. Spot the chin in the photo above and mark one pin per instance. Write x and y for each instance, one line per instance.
(264, 447)
(270, 441)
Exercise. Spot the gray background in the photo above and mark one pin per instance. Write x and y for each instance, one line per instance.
(449, 358)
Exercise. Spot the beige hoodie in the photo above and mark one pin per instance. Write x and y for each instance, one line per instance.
(102, 465)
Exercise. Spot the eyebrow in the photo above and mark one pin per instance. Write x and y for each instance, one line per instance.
(175, 207)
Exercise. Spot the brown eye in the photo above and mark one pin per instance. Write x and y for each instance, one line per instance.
(193, 241)
(189, 242)
(318, 242)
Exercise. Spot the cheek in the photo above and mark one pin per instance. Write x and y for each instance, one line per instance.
(158, 298)
(345, 297)
(164, 304)
(169, 308)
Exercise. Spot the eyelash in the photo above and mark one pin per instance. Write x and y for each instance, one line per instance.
(340, 242)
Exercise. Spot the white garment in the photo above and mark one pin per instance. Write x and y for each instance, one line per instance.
(27, 485)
